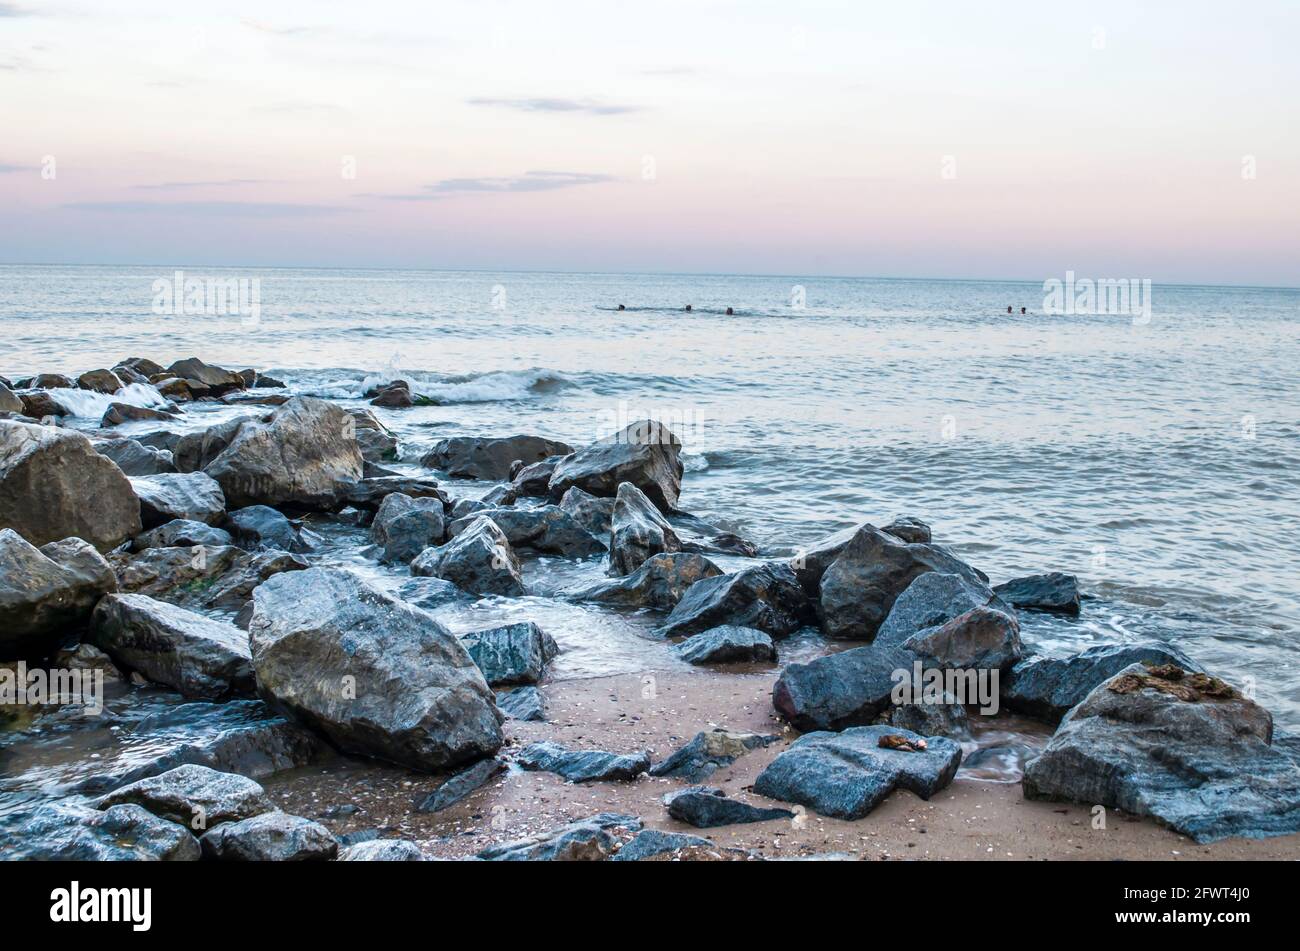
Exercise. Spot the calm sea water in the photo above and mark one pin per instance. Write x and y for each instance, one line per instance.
(1158, 460)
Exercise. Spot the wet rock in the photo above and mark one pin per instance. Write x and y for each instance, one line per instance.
(513, 654)
(135, 458)
(548, 530)
(201, 577)
(522, 703)
(860, 586)
(846, 775)
(637, 532)
(119, 413)
(1181, 747)
(909, 529)
(382, 850)
(581, 766)
(262, 528)
(53, 485)
(462, 507)
(707, 752)
(376, 440)
(479, 560)
(462, 784)
(849, 688)
(194, 796)
(49, 381)
(946, 718)
(9, 402)
(655, 844)
(702, 536)
(193, 654)
(1054, 592)
(217, 380)
(270, 837)
(71, 831)
(46, 593)
(374, 675)
(193, 452)
(764, 596)
(432, 593)
(1046, 687)
(394, 395)
(187, 495)
(370, 492)
(533, 481)
(587, 840)
(659, 583)
(474, 457)
(593, 514)
(932, 599)
(87, 657)
(179, 391)
(727, 644)
(41, 405)
(306, 455)
(644, 454)
(501, 496)
(982, 638)
(142, 365)
(404, 527)
(706, 808)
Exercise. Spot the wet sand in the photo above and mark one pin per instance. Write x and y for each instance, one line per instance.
(971, 819)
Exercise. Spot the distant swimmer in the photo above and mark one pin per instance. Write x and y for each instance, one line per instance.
(622, 307)
(688, 307)
(729, 311)
(1022, 310)
(1008, 308)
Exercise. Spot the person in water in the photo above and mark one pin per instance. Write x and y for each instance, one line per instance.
(1008, 308)
(728, 311)
(688, 307)
(1022, 310)
(621, 307)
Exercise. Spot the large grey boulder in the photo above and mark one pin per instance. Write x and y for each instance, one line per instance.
(587, 840)
(659, 583)
(1184, 748)
(270, 837)
(262, 528)
(475, 457)
(188, 495)
(192, 654)
(201, 577)
(479, 560)
(403, 527)
(1046, 687)
(705, 807)
(637, 531)
(848, 688)
(859, 588)
(644, 454)
(46, 594)
(513, 654)
(709, 751)
(53, 485)
(70, 831)
(193, 452)
(374, 675)
(727, 644)
(594, 514)
(1054, 592)
(217, 380)
(548, 530)
(581, 766)
(981, 639)
(195, 796)
(812, 561)
(932, 599)
(846, 775)
(765, 596)
(305, 455)
(134, 458)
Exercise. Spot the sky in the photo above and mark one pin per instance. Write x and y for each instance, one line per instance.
(1014, 140)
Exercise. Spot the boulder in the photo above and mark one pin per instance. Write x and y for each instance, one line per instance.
(53, 485)
(980, 639)
(193, 654)
(377, 442)
(180, 532)
(859, 587)
(644, 454)
(657, 845)
(522, 703)
(637, 532)
(932, 599)
(41, 405)
(201, 577)
(548, 530)
(70, 831)
(727, 644)
(395, 395)
(382, 850)
(846, 775)
(1054, 592)
(134, 458)
(51, 381)
(479, 560)
(142, 365)
(659, 583)
(9, 402)
(306, 455)
(194, 796)
(595, 515)
(432, 593)
(217, 380)
(513, 654)
(262, 528)
(475, 457)
(120, 413)
(705, 807)
(193, 452)
(586, 840)
(764, 596)
(462, 507)
(945, 718)
(370, 492)
(46, 594)
(707, 752)
(849, 688)
(270, 837)
(188, 495)
(1183, 748)
(1046, 687)
(404, 527)
(460, 785)
(533, 481)
(374, 675)
(581, 766)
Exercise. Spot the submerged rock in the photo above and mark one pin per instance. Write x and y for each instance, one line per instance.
(581, 766)
(404, 527)
(194, 796)
(432, 593)
(74, 832)
(53, 485)
(705, 808)
(522, 703)
(1183, 748)
(587, 840)
(193, 654)
(1055, 592)
(46, 593)
(479, 560)
(764, 596)
(512, 654)
(382, 850)
(376, 676)
(644, 454)
(270, 837)
(548, 530)
(637, 532)
(707, 752)
(659, 583)
(475, 457)
(188, 495)
(727, 644)
(462, 784)
(846, 775)
(181, 533)
(262, 528)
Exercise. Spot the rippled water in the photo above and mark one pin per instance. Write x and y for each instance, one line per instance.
(1158, 461)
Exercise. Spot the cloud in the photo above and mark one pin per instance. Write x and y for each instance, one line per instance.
(6, 168)
(537, 181)
(216, 183)
(13, 10)
(212, 209)
(587, 106)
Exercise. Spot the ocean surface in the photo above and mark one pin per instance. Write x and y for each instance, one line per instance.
(1156, 458)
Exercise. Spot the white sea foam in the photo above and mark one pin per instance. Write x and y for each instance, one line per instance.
(91, 405)
(475, 388)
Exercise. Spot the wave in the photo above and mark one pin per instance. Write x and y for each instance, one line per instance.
(441, 389)
(91, 405)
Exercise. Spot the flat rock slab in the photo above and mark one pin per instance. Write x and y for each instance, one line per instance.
(846, 775)
(462, 784)
(581, 766)
(522, 703)
(69, 831)
(270, 837)
(587, 840)
(705, 808)
(1054, 592)
(709, 751)
(727, 644)
(194, 796)
(189, 495)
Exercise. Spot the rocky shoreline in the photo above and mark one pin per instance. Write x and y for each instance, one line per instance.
(182, 564)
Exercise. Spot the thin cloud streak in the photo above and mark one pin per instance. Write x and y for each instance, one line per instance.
(552, 104)
(534, 181)
(216, 183)
(212, 209)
